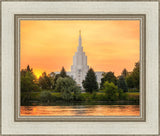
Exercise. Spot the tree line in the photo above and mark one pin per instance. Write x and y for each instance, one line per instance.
(113, 87)
(127, 80)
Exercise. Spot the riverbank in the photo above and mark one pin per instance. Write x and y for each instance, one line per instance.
(98, 98)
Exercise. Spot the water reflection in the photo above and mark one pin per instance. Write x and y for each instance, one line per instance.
(81, 110)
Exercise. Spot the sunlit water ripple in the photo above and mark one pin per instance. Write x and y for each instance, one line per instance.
(81, 110)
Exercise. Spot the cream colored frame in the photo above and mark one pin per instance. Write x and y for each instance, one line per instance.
(79, 119)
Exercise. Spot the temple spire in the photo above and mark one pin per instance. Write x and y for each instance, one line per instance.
(80, 33)
(80, 39)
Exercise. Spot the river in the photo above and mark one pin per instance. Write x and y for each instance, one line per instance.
(81, 110)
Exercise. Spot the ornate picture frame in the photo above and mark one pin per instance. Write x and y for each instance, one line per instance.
(145, 124)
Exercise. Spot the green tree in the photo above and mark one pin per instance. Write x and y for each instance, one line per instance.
(110, 77)
(55, 80)
(90, 83)
(122, 95)
(29, 69)
(66, 86)
(76, 92)
(133, 78)
(52, 76)
(64, 83)
(111, 91)
(122, 84)
(45, 81)
(63, 72)
(124, 73)
(136, 75)
(45, 96)
(28, 80)
(28, 84)
(130, 81)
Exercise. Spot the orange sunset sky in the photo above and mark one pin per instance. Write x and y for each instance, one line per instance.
(110, 45)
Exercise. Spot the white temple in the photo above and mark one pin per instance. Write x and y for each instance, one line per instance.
(80, 68)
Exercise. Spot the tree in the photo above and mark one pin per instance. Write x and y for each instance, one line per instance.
(52, 76)
(122, 84)
(110, 77)
(124, 73)
(55, 80)
(136, 75)
(64, 83)
(76, 92)
(130, 81)
(45, 81)
(63, 73)
(28, 84)
(29, 69)
(28, 80)
(90, 83)
(66, 86)
(133, 78)
(111, 91)
(45, 96)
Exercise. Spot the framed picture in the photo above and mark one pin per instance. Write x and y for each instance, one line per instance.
(80, 67)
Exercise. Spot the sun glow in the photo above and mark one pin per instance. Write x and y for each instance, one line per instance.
(49, 45)
(37, 72)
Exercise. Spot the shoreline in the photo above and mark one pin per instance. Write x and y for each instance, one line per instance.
(76, 103)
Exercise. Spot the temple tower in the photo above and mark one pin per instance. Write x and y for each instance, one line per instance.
(79, 67)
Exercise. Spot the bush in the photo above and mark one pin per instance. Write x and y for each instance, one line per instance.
(76, 93)
(111, 91)
(133, 96)
(67, 95)
(56, 97)
(66, 86)
(35, 96)
(45, 96)
(93, 97)
(133, 90)
(25, 97)
(101, 97)
(85, 97)
(122, 95)
(122, 84)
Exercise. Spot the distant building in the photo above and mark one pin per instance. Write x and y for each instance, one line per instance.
(80, 68)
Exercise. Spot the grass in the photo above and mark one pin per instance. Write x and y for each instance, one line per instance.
(133, 94)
